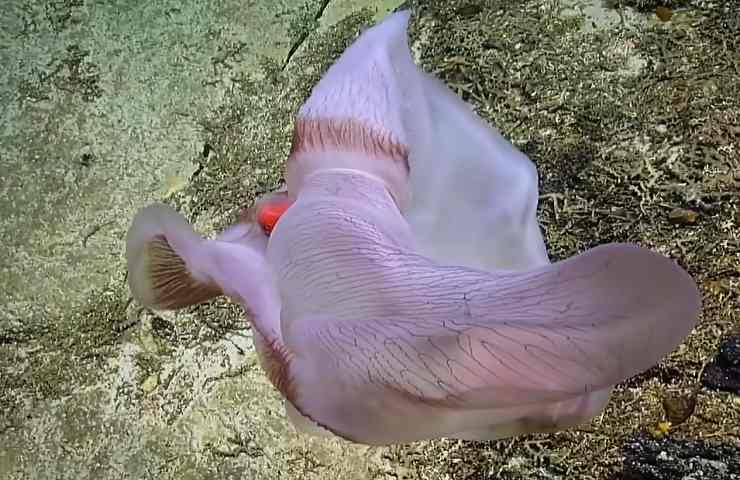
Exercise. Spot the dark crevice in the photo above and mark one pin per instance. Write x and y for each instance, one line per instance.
(304, 35)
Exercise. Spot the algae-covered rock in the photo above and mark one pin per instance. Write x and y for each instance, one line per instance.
(647, 458)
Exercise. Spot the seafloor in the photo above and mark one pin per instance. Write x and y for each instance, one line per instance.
(633, 122)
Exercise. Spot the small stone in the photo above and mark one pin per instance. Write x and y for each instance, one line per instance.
(683, 216)
(679, 406)
(150, 383)
(663, 13)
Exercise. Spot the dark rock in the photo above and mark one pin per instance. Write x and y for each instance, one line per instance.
(469, 10)
(723, 371)
(647, 458)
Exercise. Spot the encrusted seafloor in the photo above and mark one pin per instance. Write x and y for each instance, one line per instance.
(630, 113)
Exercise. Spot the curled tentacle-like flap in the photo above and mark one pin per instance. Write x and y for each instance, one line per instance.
(170, 266)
